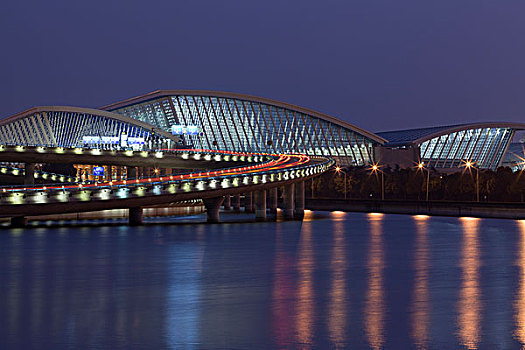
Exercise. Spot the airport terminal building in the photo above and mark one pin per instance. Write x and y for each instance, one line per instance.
(229, 121)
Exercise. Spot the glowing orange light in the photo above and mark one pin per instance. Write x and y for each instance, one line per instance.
(374, 167)
(420, 165)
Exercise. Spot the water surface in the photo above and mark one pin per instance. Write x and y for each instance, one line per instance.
(336, 280)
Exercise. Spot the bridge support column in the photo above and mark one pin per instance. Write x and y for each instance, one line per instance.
(29, 177)
(119, 172)
(131, 172)
(272, 202)
(289, 201)
(135, 216)
(236, 203)
(248, 202)
(107, 173)
(90, 173)
(260, 205)
(212, 206)
(18, 221)
(227, 202)
(299, 200)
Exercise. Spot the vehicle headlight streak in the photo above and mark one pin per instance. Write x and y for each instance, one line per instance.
(272, 168)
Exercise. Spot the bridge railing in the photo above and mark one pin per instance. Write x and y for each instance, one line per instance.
(133, 189)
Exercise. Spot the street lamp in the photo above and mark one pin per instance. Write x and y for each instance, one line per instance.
(339, 170)
(422, 167)
(470, 165)
(375, 168)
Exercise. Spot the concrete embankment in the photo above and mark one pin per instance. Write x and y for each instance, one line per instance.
(440, 208)
(122, 213)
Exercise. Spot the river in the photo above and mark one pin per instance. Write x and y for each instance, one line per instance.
(335, 280)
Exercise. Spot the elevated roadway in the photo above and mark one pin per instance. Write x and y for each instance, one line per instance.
(229, 173)
(180, 159)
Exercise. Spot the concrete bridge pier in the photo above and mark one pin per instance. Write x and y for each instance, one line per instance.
(248, 202)
(212, 206)
(29, 177)
(236, 203)
(90, 175)
(289, 206)
(227, 202)
(272, 202)
(299, 200)
(18, 221)
(131, 172)
(119, 172)
(135, 216)
(260, 205)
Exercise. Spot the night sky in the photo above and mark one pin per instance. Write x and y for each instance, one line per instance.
(380, 65)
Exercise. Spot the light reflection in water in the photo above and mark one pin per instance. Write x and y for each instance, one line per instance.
(305, 288)
(469, 306)
(14, 263)
(184, 292)
(375, 303)
(519, 304)
(281, 293)
(420, 298)
(308, 215)
(338, 294)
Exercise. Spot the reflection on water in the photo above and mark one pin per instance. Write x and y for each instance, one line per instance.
(337, 280)
(421, 298)
(305, 288)
(519, 304)
(375, 304)
(338, 306)
(469, 307)
(282, 290)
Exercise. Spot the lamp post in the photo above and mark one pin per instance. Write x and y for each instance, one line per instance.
(470, 165)
(422, 167)
(375, 169)
(339, 170)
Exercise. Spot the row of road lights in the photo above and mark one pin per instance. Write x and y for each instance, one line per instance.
(375, 169)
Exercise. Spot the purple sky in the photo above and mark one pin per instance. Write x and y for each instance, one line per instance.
(378, 64)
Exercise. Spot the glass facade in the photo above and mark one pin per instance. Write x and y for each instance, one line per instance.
(73, 129)
(484, 146)
(226, 123)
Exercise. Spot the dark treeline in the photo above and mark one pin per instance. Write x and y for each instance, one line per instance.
(501, 185)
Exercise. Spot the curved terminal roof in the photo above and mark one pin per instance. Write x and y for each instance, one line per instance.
(515, 153)
(420, 135)
(165, 93)
(87, 111)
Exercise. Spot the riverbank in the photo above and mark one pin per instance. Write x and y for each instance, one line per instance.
(438, 208)
(122, 213)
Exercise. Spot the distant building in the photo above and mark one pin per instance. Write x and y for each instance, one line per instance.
(449, 147)
(228, 121)
(250, 124)
(515, 157)
(57, 126)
